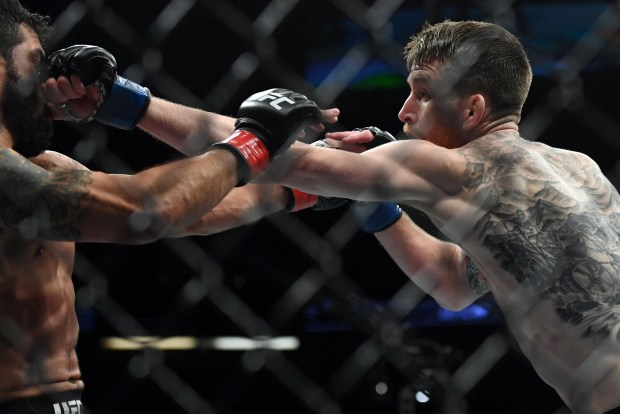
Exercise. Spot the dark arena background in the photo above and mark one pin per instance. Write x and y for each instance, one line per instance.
(302, 313)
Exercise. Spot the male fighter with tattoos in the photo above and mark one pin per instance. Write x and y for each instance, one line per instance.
(538, 227)
(49, 201)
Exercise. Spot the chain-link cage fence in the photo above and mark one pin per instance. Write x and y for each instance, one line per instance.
(302, 313)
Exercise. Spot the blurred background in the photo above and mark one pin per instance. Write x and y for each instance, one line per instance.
(302, 313)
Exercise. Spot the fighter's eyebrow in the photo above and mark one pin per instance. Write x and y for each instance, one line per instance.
(418, 78)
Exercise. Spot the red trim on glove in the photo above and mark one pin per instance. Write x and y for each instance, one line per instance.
(303, 200)
(252, 149)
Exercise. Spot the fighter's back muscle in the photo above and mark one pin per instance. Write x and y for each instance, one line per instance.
(551, 220)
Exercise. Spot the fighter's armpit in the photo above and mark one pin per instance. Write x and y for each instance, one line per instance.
(476, 280)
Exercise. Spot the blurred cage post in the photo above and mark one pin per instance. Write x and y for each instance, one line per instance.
(327, 324)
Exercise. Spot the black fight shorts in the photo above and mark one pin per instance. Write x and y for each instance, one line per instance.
(66, 402)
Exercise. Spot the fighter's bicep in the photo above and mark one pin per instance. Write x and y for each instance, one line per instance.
(416, 170)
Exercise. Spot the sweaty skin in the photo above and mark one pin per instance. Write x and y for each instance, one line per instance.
(538, 227)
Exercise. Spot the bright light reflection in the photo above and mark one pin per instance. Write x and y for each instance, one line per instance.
(421, 397)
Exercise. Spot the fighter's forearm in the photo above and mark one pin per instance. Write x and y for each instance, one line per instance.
(243, 205)
(189, 130)
(434, 265)
(332, 173)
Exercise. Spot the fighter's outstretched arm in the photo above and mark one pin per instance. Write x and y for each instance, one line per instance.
(191, 130)
(78, 205)
(243, 205)
(417, 173)
(84, 85)
(121, 103)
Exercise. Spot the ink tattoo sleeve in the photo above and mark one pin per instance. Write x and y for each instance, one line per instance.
(41, 203)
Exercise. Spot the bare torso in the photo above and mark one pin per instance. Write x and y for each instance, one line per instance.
(546, 235)
(38, 323)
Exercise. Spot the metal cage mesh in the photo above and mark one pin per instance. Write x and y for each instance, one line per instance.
(326, 316)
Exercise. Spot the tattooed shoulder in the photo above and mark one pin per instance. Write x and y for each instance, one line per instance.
(41, 203)
(481, 155)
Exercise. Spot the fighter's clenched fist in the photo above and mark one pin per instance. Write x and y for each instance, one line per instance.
(116, 101)
(268, 123)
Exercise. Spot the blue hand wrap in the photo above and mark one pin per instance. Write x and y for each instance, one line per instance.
(125, 105)
(374, 217)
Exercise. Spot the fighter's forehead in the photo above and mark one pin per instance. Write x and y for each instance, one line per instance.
(424, 73)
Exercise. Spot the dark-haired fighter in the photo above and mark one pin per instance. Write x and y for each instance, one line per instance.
(49, 201)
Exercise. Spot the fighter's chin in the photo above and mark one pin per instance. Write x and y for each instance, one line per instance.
(410, 134)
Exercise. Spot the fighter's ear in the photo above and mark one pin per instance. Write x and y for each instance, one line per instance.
(474, 111)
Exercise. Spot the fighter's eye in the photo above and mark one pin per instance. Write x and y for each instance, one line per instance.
(421, 95)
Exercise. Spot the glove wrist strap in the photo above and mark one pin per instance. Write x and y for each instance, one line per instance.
(251, 152)
(376, 217)
(300, 200)
(124, 105)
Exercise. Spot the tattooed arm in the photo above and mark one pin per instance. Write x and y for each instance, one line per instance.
(243, 205)
(80, 205)
(439, 268)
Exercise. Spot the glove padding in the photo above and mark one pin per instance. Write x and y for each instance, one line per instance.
(122, 103)
(300, 200)
(268, 123)
(277, 116)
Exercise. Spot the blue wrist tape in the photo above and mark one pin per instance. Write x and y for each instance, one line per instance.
(374, 217)
(125, 104)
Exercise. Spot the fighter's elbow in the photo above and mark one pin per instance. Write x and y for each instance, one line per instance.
(454, 305)
(451, 299)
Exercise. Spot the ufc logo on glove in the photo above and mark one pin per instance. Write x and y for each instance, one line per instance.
(277, 98)
(264, 128)
(69, 407)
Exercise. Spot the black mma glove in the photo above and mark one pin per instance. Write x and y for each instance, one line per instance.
(122, 103)
(268, 123)
(380, 137)
(376, 216)
(300, 200)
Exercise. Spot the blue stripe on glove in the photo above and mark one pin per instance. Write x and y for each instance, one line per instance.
(374, 217)
(125, 104)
